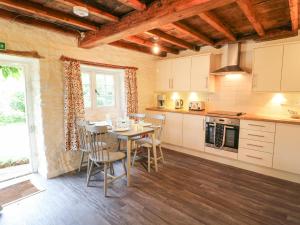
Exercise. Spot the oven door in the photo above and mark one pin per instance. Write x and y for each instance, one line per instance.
(231, 142)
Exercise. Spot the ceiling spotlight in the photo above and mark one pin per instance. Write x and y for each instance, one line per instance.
(80, 11)
(155, 48)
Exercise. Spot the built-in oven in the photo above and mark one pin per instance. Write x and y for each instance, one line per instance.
(222, 133)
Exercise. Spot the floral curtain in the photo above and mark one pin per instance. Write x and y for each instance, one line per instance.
(73, 103)
(131, 91)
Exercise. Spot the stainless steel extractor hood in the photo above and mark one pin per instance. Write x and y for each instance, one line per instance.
(230, 61)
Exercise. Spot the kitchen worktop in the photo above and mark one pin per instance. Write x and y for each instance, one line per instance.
(267, 118)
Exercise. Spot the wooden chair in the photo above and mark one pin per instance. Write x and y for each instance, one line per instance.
(83, 145)
(101, 145)
(158, 123)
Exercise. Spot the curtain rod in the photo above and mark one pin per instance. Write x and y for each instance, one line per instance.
(65, 58)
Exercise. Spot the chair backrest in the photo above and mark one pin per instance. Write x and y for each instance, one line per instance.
(137, 116)
(100, 142)
(158, 121)
(81, 129)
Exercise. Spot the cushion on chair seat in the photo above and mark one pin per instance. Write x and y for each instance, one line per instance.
(147, 142)
(102, 156)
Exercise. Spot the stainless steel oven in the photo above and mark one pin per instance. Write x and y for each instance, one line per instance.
(222, 133)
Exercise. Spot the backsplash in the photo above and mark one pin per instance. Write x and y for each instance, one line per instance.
(233, 93)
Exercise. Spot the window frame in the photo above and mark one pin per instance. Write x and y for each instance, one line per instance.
(119, 92)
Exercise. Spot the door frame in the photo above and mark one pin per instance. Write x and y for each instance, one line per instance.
(29, 65)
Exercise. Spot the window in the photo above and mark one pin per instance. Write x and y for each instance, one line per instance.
(103, 91)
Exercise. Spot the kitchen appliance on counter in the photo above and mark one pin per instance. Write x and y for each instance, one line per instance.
(197, 106)
(161, 101)
(225, 113)
(222, 133)
(178, 104)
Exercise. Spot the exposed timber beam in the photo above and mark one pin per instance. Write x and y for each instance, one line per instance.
(134, 47)
(173, 40)
(159, 13)
(294, 14)
(46, 13)
(14, 17)
(192, 32)
(136, 4)
(247, 8)
(217, 24)
(92, 10)
(147, 43)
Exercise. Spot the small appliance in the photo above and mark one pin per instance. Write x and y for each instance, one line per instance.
(197, 106)
(161, 101)
(178, 104)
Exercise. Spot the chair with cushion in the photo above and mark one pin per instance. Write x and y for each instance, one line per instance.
(101, 145)
(146, 142)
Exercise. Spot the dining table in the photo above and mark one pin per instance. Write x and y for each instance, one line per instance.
(129, 135)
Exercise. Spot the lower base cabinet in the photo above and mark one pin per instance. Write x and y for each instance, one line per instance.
(287, 148)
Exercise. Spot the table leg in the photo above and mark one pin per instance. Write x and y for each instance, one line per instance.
(128, 160)
(154, 151)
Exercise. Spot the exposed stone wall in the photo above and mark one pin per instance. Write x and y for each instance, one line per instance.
(52, 45)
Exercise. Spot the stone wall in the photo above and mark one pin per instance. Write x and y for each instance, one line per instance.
(51, 46)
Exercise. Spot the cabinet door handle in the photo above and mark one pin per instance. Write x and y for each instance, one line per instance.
(260, 146)
(172, 82)
(255, 125)
(254, 81)
(169, 83)
(256, 135)
(254, 157)
(206, 80)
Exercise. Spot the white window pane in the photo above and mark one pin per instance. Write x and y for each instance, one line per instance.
(86, 89)
(105, 90)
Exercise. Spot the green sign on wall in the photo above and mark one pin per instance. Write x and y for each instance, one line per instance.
(2, 46)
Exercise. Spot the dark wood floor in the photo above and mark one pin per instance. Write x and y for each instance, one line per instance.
(187, 190)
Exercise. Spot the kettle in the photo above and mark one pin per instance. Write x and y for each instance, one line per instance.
(178, 104)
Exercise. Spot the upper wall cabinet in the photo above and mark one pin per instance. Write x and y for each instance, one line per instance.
(277, 68)
(190, 73)
(267, 67)
(290, 80)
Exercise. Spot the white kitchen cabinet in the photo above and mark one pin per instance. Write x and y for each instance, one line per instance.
(267, 66)
(291, 68)
(193, 132)
(173, 129)
(201, 80)
(181, 73)
(287, 148)
(163, 75)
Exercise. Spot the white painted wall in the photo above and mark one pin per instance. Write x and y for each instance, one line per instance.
(51, 46)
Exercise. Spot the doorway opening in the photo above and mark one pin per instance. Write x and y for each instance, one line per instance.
(17, 149)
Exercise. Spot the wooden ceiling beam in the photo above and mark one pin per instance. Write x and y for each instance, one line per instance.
(217, 24)
(192, 32)
(46, 13)
(14, 17)
(173, 40)
(136, 4)
(247, 8)
(294, 13)
(147, 43)
(92, 10)
(159, 13)
(134, 47)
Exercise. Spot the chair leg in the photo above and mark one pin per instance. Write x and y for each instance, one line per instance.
(112, 170)
(88, 165)
(81, 160)
(89, 174)
(105, 179)
(161, 154)
(149, 159)
(124, 166)
(134, 156)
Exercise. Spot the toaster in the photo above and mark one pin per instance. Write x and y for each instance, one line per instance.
(197, 106)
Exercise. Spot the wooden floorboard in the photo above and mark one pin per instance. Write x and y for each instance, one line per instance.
(186, 190)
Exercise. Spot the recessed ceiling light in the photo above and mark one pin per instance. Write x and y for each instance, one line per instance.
(80, 11)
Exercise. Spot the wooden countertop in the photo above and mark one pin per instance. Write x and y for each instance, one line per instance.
(277, 119)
